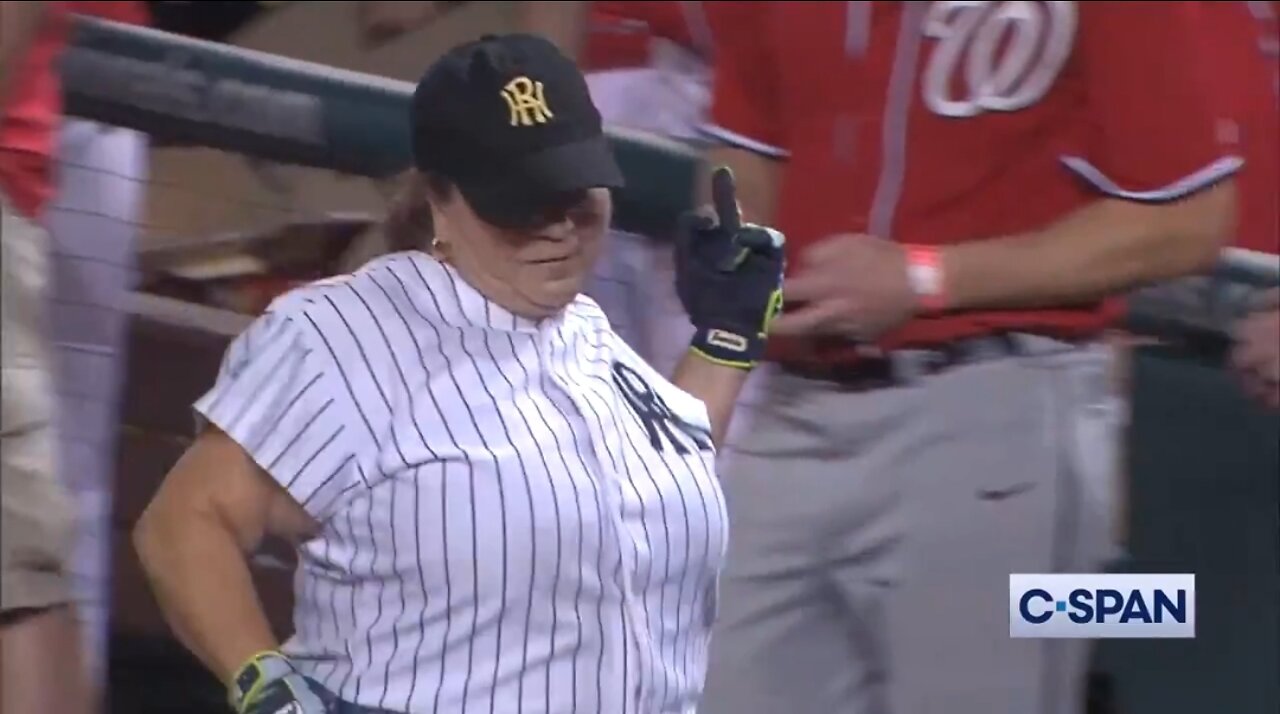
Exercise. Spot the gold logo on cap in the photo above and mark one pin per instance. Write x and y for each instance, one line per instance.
(526, 101)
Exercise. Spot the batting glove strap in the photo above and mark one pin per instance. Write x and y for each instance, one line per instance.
(269, 684)
(726, 348)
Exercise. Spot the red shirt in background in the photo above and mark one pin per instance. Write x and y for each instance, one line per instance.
(1242, 49)
(29, 123)
(33, 105)
(942, 122)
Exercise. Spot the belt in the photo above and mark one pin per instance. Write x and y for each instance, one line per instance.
(901, 367)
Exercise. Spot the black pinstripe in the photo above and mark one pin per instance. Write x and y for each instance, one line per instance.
(533, 546)
(559, 452)
(395, 441)
(619, 466)
(471, 484)
(408, 391)
(444, 475)
(453, 441)
(254, 447)
(302, 469)
(266, 375)
(502, 508)
(600, 425)
(294, 440)
(600, 566)
(577, 597)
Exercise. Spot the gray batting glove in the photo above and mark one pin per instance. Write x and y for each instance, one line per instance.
(269, 684)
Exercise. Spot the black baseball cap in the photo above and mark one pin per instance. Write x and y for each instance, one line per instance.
(508, 119)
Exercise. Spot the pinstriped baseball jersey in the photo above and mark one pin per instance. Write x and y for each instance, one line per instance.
(518, 516)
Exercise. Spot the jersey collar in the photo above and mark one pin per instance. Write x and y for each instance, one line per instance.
(462, 305)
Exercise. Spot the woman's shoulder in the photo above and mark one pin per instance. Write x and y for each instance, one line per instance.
(587, 310)
(361, 327)
(378, 291)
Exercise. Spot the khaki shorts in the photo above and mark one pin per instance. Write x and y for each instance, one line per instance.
(36, 519)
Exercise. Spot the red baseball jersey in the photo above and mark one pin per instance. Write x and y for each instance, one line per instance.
(29, 123)
(1242, 51)
(946, 122)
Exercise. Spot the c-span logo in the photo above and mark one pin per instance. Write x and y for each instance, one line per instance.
(1102, 606)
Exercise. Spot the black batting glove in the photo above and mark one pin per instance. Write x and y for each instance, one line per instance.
(268, 684)
(729, 278)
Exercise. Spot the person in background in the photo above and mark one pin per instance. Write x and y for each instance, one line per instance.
(93, 220)
(41, 660)
(1242, 48)
(648, 67)
(961, 214)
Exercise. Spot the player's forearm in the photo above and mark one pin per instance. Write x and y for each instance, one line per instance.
(717, 386)
(564, 23)
(1106, 247)
(201, 579)
(19, 24)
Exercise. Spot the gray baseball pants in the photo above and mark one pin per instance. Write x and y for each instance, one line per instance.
(873, 532)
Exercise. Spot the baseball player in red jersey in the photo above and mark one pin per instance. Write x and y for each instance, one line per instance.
(964, 187)
(1242, 50)
(41, 663)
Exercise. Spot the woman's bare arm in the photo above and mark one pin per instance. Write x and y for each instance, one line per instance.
(716, 385)
(213, 509)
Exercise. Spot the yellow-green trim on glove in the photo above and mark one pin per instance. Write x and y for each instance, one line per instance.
(254, 675)
(729, 343)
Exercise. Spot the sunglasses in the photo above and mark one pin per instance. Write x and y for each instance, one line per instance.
(531, 213)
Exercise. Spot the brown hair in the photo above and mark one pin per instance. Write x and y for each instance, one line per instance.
(408, 225)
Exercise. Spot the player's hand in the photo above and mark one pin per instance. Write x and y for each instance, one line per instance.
(855, 286)
(269, 684)
(729, 278)
(1256, 356)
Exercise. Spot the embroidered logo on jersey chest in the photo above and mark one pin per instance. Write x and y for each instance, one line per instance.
(661, 425)
(994, 56)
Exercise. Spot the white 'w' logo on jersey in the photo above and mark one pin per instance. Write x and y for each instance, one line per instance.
(995, 56)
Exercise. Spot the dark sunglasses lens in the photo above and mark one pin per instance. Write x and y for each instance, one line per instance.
(515, 218)
(529, 215)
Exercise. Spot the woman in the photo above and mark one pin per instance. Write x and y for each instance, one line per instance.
(498, 506)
